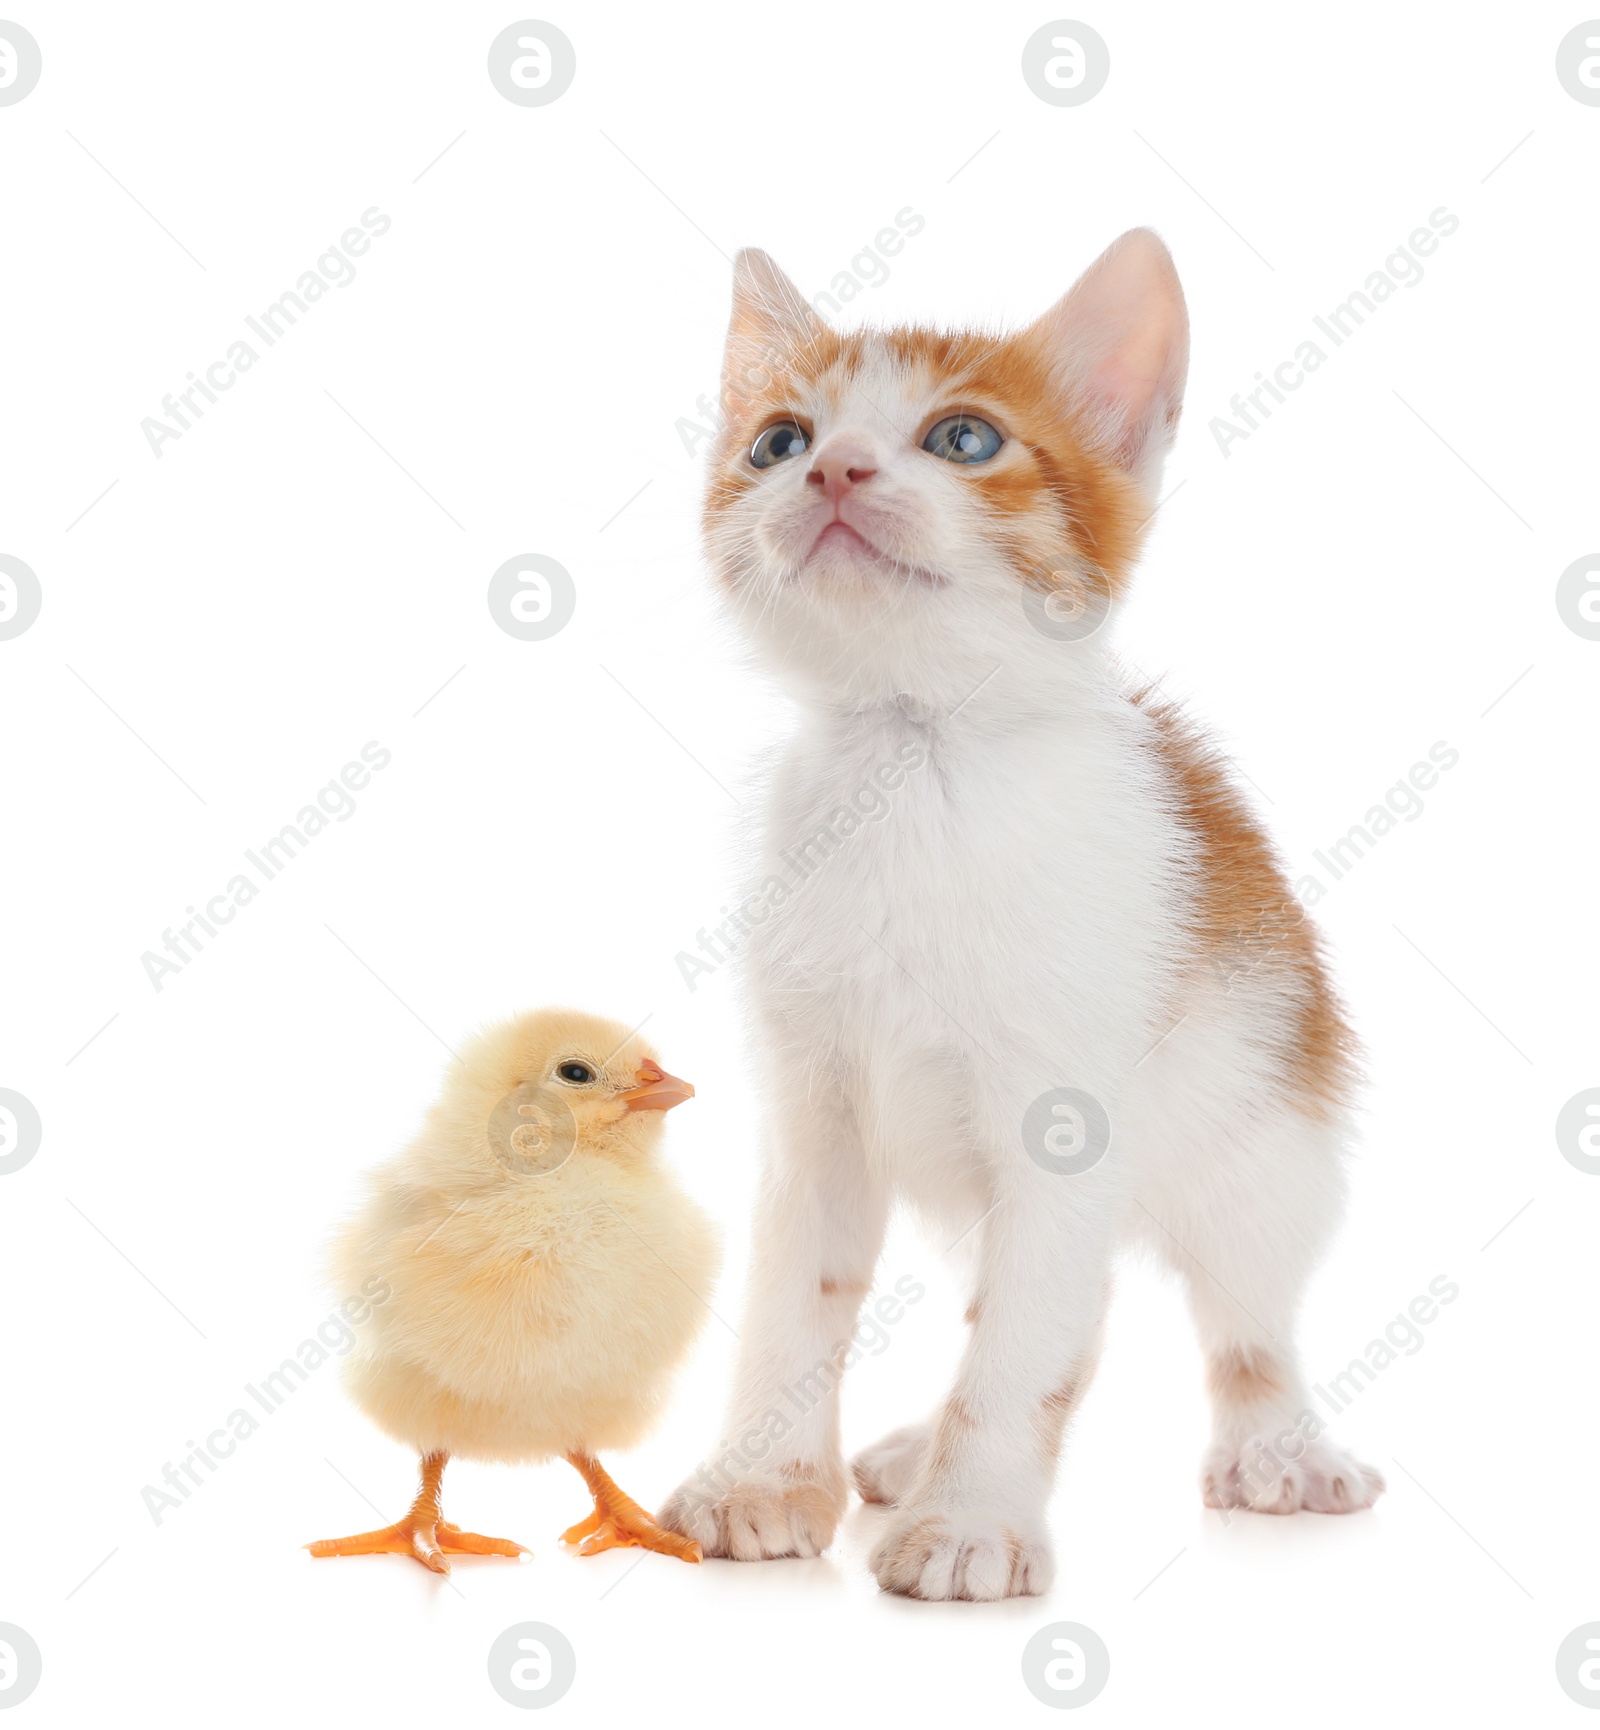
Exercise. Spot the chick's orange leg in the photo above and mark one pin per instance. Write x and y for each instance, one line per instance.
(422, 1533)
(618, 1521)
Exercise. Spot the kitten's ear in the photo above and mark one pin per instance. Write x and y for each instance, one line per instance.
(1118, 342)
(771, 324)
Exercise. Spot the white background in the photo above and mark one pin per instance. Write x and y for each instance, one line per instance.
(1334, 596)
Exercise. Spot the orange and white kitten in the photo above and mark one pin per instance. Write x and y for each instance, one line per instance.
(1062, 999)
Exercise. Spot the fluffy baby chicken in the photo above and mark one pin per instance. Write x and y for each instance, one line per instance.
(546, 1276)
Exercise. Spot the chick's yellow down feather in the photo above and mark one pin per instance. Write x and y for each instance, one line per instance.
(540, 1274)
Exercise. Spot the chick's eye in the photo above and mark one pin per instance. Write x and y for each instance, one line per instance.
(776, 444)
(963, 438)
(579, 1074)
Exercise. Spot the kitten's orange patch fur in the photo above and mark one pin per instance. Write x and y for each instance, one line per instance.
(955, 1422)
(843, 1288)
(1246, 914)
(1054, 1410)
(1243, 1378)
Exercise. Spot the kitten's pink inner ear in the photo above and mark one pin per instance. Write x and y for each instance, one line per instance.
(1118, 341)
(771, 324)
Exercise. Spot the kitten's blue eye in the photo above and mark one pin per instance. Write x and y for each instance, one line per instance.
(963, 438)
(776, 444)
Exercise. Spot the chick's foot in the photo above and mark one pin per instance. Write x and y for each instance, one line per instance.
(618, 1522)
(422, 1533)
(430, 1541)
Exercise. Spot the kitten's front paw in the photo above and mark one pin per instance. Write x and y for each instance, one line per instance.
(1323, 1479)
(958, 1553)
(793, 1513)
(886, 1471)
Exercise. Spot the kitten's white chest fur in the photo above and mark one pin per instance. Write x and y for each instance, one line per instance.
(1014, 903)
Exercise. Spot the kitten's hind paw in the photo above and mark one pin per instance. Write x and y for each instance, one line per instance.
(1322, 1479)
(885, 1472)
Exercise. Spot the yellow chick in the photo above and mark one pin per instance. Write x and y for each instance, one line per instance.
(546, 1276)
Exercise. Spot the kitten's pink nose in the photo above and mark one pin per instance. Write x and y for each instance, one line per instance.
(840, 464)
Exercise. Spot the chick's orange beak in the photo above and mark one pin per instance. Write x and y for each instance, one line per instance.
(657, 1091)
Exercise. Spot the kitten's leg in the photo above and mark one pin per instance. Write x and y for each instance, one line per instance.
(1246, 1247)
(776, 1485)
(972, 1525)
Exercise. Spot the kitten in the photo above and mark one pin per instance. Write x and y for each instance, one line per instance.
(1061, 1000)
